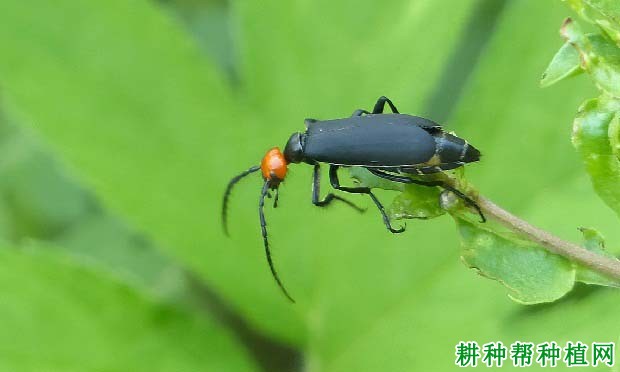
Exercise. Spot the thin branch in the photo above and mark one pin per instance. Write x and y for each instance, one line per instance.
(574, 252)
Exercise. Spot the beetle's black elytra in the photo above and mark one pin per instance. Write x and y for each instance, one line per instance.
(391, 146)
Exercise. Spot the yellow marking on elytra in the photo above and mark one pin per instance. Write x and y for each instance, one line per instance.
(435, 160)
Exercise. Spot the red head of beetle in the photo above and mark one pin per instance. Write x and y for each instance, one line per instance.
(274, 166)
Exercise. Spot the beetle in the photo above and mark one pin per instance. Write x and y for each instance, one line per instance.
(392, 146)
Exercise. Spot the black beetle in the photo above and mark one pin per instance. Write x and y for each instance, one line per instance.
(390, 146)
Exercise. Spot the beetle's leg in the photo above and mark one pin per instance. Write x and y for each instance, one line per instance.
(359, 112)
(335, 182)
(316, 192)
(275, 199)
(386, 219)
(402, 179)
(381, 104)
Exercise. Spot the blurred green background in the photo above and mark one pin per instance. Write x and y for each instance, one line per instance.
(122, 122)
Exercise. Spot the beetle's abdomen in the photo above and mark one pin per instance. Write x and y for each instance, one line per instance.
(450, 152)
(452, 149)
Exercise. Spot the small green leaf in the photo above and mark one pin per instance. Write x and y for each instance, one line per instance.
(614, 135)
(600, 59)
(530, 273)
(604, 13)
(593, 241)
(416, 202)
(591, 137)
(564, 64)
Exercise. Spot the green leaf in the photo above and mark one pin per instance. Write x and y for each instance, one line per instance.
(57, 316)
(614, 134)
(416, 202)
(604, 13)
(169, 135)
(105, 240)
(602, 62)
(121, 93)
(42, 202)
(591, 138)
(530, 273)
(564, 64)
(567, 63)
(593, 241)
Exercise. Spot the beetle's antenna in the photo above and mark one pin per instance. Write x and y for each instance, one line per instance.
(232, 183)
(263, 226)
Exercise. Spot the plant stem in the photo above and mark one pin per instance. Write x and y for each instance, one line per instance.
(606, 265)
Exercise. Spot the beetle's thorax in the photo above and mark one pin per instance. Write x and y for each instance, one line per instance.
(294, 150)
